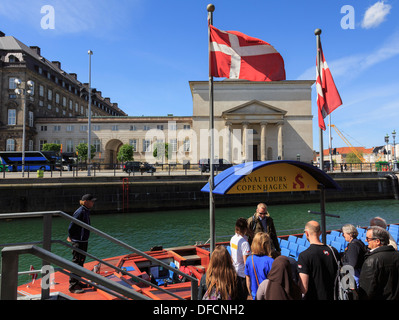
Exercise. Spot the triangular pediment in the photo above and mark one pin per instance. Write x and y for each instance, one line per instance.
(254, 107)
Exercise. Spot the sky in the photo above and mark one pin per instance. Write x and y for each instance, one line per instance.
(147, 51)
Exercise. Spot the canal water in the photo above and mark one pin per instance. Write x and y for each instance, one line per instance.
(186, 227)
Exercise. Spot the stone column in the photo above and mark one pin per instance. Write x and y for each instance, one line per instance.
(280, 144)
(227, 139)
(263, 147)
(244, 140)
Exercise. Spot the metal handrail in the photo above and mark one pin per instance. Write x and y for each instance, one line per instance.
(47, 244)
(9, 277)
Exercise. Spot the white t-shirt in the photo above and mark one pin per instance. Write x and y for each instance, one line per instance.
(239, 247)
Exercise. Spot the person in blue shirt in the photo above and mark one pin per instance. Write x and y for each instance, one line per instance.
(79, 238)
(259, 263)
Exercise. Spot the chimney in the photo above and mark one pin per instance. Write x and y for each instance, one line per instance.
(57, 64)
(74, 75)
(36, 49)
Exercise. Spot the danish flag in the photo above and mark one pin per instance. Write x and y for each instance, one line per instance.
(328, 98)
(235, 55)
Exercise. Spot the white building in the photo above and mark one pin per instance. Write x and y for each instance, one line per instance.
(252, 121)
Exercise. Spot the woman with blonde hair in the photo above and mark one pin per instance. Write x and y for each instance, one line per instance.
(259, 264)
(221, 278)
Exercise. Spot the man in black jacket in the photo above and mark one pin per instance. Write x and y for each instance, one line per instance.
(380, 272)
(79, 237)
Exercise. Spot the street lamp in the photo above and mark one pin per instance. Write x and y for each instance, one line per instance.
(89, 120)
(22, 92)
(386, 142)
(394, 151)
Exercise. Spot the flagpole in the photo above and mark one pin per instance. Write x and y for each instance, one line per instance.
(317, 32)
(211, 9)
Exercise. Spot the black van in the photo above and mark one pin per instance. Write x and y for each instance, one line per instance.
(137, 166)
(218, 165)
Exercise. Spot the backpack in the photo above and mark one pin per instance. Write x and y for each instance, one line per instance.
(344, 282)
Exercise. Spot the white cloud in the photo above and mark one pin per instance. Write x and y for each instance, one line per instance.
(375, 15)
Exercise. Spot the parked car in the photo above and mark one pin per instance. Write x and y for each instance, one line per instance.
(218, 165)
(137, 166)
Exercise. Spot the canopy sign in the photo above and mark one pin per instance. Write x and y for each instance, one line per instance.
(279, 177)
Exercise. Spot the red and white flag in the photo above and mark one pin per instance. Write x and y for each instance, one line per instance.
(328, 98)
(235, 55)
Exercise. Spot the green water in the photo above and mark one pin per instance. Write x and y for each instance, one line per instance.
(185, 227)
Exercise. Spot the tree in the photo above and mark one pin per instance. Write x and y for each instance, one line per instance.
(352, 158)
(161, 150)
(125, 153)
(51, 147)
(81, 150)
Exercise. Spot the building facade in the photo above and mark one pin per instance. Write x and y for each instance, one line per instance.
(56, 93)
(252, 121)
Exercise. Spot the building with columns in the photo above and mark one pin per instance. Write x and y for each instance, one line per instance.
(252, 121)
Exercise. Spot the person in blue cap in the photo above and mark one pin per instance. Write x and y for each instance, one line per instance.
(78, 236)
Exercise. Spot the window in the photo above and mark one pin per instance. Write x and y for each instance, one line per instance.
(186, 145)
(30, 145)
(43, 128)
(133, 128)
(12, 117)
(57, 98)
(30, 118)
(160, 127)
(97, 145)
(41, 144)
(10, 145)
(115, 128)
(173, 145)
(146, 128)
(186, 127)
(64, 101)
(83, 128)
(96, 127)
(69, 128)
(146, 145)
(69, 145)
(41, 91)
(133, 143)
(50, 94)
(11, 83)
(57, 128)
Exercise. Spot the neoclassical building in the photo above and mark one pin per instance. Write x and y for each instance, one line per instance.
(252, 121)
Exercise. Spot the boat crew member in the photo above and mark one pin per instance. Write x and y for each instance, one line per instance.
(261, 221)
(79, 237)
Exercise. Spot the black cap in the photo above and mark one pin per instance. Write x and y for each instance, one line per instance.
(88, 197)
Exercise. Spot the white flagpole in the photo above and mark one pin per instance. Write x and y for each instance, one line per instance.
(211, 9)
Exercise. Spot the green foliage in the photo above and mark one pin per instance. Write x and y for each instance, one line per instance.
(352, 158)
(125, 153)
(51, 147)
(161, 150)
(81, 150)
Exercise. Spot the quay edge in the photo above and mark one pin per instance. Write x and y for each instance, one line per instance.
(150, 193)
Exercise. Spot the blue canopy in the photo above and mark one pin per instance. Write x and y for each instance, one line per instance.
(228, 178)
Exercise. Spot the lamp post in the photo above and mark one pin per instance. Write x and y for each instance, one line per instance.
(394, 151)
(22, 92)
(386, 142)
(89, 120)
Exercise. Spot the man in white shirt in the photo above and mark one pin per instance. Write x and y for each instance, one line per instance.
(240, 248)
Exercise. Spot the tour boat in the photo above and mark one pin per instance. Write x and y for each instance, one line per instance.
(192, 259)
